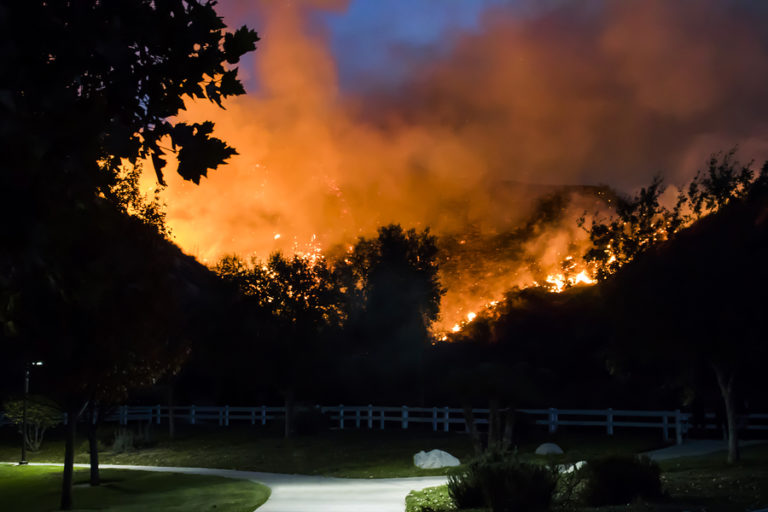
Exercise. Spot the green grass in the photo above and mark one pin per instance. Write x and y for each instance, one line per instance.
(37, 489)
(354, 454)
(349, 453)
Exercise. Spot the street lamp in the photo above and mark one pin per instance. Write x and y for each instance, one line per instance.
(24, 411)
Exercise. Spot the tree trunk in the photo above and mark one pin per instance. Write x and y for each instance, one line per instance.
(289, 404)
(726, 389)
(93, 444)
(493, 425)
(474, 436)
(509, 430)
(69, 460)
(171, 417)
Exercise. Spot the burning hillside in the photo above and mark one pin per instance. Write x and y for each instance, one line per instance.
(567, 93)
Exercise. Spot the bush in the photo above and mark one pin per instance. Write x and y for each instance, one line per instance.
(500, 482)
(465, 488)
(127, 439)
(431, 499)
(42, 414)
(620, 479)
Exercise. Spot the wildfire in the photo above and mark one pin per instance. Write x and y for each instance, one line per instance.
(574, 273)
(558, 283)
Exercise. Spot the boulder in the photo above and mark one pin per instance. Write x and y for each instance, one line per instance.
(549, 449)
(434, 459)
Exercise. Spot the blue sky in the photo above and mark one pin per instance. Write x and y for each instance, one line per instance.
(365, 37)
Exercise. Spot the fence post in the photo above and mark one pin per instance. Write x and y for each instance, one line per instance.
(226, 415)
(552, 420)
(124, 415)
(678, 427)
(434, 419)
(341, 416)
(404, 421)
(357, 417)
(609, 422)
(370, 416)
(665, 426)
(253, 415)
(192, 414)
(381, 418)
(221, 416)
(159, 413)
(263, 414)
(446, 418)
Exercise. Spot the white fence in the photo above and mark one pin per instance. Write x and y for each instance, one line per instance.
(443, 419)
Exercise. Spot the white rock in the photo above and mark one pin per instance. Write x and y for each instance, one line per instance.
(548, 449)
(434, 459)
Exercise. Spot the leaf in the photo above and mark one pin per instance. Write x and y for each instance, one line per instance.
(236, 44)
(199, 151)
(212, 91)
(158, 162)
(230, 85)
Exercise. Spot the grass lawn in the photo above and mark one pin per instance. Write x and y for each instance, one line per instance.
(37, 489)
(349, 453)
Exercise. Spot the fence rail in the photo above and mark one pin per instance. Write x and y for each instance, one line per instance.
(442, 419)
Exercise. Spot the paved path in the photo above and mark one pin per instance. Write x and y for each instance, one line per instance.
(298, 493)
(693, 448)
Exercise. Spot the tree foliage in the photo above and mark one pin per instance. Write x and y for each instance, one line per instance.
(641, 222)
(392, 284)
(42, 414)
(126, 195)
(100, 81)
(86, 85)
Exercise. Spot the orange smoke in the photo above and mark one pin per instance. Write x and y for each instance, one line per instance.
(587, 92)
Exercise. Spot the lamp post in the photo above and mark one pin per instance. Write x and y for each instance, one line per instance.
(24, 411)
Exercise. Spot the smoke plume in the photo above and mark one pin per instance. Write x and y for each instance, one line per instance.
(571, 93)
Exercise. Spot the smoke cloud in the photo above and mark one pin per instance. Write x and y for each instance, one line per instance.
(571, 93)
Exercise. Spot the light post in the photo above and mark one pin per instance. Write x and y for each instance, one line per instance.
(24, 411)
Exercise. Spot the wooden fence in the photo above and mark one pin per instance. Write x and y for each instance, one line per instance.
(443, 419)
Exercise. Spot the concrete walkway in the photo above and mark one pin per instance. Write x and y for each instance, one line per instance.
(693, 448)
(298, 493)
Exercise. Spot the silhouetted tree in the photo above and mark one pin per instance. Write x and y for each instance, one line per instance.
(690, 304)
(85, 85)
(640, 222)
(303, 301)
(393, 293)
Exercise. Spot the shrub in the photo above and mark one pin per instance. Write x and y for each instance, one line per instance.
(620, 479)
(465, 488)
(42, 414)
(431, 499)
(499, 481)
(127, 439)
